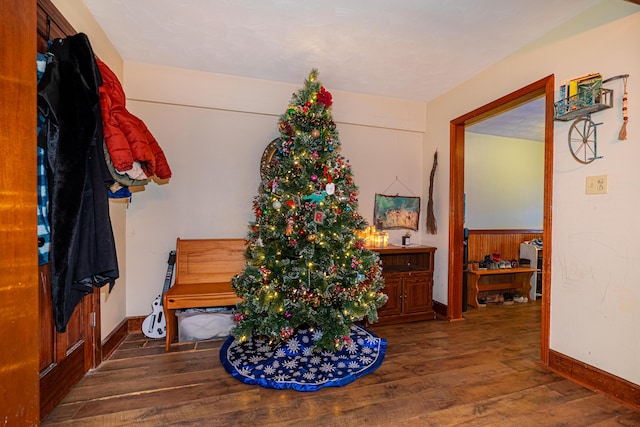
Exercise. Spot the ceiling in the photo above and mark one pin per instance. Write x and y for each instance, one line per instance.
(524, 122)
(407, 49)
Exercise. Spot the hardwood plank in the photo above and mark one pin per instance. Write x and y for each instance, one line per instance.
(483, 371)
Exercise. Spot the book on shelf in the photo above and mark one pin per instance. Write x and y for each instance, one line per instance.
(563, 106)
(585, 90)
(579, 92)
(589, 89)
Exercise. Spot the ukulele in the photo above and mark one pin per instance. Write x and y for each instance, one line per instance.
(155, 324)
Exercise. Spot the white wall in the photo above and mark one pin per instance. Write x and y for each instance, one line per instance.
(595, 297)
(503, 182)
(213, 130)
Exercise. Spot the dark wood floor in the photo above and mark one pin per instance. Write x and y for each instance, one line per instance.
(479, 372)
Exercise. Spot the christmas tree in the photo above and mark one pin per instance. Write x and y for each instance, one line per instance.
(306, 266)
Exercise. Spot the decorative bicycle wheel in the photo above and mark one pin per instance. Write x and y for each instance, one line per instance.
(583, 140)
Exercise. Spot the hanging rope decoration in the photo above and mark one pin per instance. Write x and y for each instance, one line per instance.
(432, 226)
(625, 116)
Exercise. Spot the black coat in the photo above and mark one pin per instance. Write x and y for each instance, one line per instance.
(82, 252)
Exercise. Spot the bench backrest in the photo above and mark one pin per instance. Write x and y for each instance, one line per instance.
(209, 260)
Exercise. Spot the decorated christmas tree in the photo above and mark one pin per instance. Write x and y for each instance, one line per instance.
(306, 266)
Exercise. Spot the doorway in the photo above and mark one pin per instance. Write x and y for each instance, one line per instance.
(543, 87)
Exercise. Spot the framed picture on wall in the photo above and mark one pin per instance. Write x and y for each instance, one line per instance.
(396, 212)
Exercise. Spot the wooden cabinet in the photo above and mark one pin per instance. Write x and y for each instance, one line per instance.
(408, 277)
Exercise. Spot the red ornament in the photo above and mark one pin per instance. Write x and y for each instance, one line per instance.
(324, 97)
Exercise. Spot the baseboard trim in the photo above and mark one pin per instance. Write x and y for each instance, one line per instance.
(114, 339)
(440, 309)
(595, 379)
(135, 323)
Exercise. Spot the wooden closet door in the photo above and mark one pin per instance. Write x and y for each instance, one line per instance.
(66, 357)
(18, 228)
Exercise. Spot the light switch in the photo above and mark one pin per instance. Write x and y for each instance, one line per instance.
(596, 184)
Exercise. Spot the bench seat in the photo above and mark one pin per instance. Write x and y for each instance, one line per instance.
(204, 269)
(190, 295)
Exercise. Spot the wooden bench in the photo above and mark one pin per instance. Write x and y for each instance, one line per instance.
(204, 268)
(502, 279)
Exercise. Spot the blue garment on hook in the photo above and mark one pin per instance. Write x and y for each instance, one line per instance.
(44, 231)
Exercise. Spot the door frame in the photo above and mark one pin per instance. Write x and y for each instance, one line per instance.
(18, 266)
(542, 87)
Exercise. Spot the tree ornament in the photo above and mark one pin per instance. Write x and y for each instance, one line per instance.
(315, 133)
(316, 197)
(330, 188)
(312, 238)
(276, 204)
(318, 217)
(324, 97)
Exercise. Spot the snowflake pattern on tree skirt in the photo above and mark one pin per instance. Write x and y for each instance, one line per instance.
(296, 365)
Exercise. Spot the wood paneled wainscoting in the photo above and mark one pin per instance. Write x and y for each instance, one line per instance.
(505, 242)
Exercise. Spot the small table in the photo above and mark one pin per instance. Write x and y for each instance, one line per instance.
(501, 279)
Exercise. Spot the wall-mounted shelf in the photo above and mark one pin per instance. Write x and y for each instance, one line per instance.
(581, 106)
(580, 98)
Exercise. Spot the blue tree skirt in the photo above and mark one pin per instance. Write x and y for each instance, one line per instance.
(294, 364)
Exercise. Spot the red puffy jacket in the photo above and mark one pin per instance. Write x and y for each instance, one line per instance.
(128, 139)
